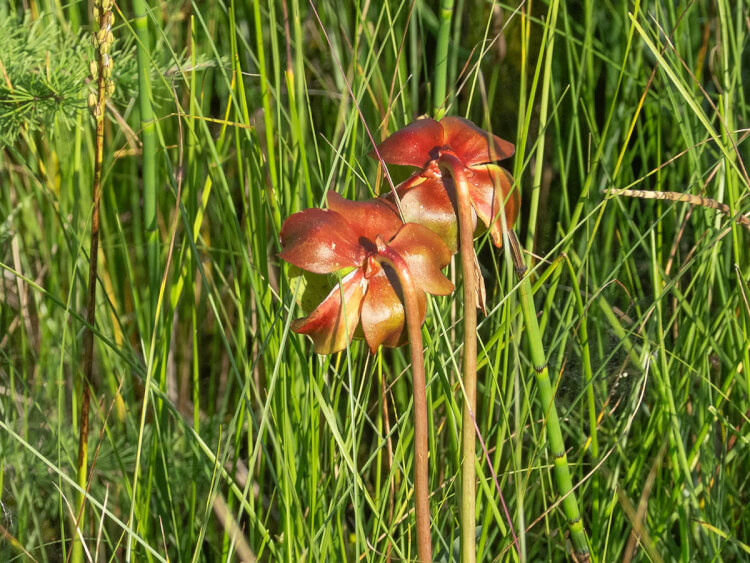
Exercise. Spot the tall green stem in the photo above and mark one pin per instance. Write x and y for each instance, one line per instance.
(547, 396)
(267, 115)
(441, 59)
(588, 374)
(550, 27)
(414, 330)
(468, 438)
(148, 138)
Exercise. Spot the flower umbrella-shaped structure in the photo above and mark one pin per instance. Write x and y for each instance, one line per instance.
(428, 197)
(360, 236)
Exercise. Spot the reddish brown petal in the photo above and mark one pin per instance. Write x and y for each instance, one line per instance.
(413, 145)
(425, 254)
(489, 186)
(382, 312)
(320, 241)
(330, 325)
(367, 218)
(472, 144)
(429, 203)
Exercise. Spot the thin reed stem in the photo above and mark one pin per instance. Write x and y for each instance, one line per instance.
(468, 438)
(266, 93)
(549, 46)
(588, 374)
(690, 199)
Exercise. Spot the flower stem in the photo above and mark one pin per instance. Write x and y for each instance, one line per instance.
(414, 330)
(468, 438)
(547, 396)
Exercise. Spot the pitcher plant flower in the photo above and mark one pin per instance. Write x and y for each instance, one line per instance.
(457, 182)
(344, 237)
(428, 197)
(392, 264)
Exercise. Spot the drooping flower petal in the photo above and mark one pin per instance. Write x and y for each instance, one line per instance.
(471, 144)
(413, 145)
(490, 186)
(425, 254)
(331, 325)
(382, 311)
(320, 241)
(367, 218)
(430, 203)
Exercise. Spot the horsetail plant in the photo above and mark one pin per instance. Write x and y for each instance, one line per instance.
(101, 74)
(439, 98)
(389, 266)
(547, 397)
(148, 140)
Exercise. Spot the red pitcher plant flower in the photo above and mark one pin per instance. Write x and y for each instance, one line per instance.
(428, 197)
(345, 236)
(457, 182)
(392, 265)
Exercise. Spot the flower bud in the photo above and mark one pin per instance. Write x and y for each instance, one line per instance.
(92, 100)
(94, 69)
(110, 88)
(95, 13)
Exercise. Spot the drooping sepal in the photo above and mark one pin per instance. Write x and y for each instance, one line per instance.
(331, 325)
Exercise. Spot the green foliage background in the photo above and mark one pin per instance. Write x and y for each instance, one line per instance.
(251, 446)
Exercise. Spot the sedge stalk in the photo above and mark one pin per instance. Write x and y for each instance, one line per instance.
(101, 69)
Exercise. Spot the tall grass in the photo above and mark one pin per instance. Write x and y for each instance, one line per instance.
(216, 434)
